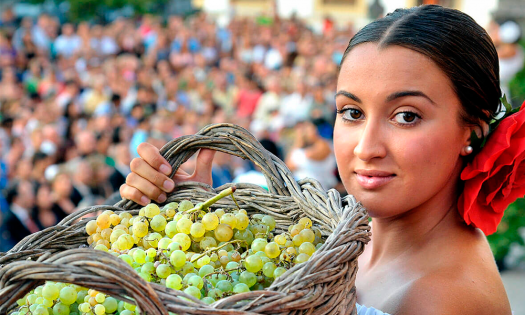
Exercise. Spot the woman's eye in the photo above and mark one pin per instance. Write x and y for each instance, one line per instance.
(352, 114)
(406, 118)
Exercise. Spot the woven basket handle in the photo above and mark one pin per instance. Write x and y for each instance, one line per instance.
(234, 140)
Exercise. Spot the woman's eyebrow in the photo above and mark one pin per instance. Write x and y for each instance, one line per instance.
(349, 95)
(400, 94)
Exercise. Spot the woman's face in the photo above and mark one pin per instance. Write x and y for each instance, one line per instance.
(398, 137)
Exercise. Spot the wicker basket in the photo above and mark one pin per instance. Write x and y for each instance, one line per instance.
(322, 285)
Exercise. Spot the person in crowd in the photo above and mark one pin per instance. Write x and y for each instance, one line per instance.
(312, 156)
(17, 223)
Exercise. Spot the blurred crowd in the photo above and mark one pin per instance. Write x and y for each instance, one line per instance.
(77, 100)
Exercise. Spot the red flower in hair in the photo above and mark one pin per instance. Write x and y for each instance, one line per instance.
(496, 176)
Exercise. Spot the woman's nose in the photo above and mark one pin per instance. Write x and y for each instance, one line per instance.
(370, 143)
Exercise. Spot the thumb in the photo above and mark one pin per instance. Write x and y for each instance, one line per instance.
(203, 166)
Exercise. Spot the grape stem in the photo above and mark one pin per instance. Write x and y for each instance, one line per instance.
(214, 249)
(214, 199)
(223, 271)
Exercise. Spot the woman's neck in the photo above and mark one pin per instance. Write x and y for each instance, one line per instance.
(393, 237)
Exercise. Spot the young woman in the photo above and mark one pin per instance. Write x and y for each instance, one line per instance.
(412, 88)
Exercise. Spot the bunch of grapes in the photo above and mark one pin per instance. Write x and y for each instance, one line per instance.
(207, 254)
(56, 298)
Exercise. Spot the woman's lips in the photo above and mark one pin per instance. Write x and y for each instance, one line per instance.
(373, 179)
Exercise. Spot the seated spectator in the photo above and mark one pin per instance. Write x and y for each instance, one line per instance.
(17, 222)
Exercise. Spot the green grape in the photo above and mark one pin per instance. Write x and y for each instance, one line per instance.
(297, 240)
(207, 242)
(235, 256)
(172, 205)
(193, 291)
(183, 239)
(151, 252)
(151, 210)
(185, 205)
(140, 229)
(301, 258)
(210, 221)
(206, 269)
(68, 295)
(269, 221)
(307, 235)
(40, 310)
(164, 243)
(219, 213)
(148, 268)
(163, 271)
(184, 225)
(196, 281)
(272, 250)
(139, 256)
(214, 257)
(204, 260)
(127, 312)
(215, 293)
(61, 309)
(242, 221)
(31, 298)
(258, 229)
(241, 288)
(100, 309)
(307, 248)
(253, 263)
(38, 290)
(173, 246)
(158, 223)
(258, 245)
(174, 281)
(81, 295)
(153, 239)
(178, 258)
(224, 260)
(171, 229)
(232, 265)
(230, 219)
(306, 222)
(227, 247)
(280, 239)
(223, 232)
(47, 303)
(197, 229)
(127, 258)
(278, 272)
(248, 278)
(187, 278)
(130, 307)
(50, 291)
(84, 307)
(224, 286)
(208, 300)
(115, 235)
(187, 268)
(110, 304)
(268, 269)
(102, 248)
(125, 241)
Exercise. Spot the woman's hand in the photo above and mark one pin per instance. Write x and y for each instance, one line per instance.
(149, 179)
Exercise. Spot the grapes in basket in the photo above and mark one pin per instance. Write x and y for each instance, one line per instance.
(209, 254)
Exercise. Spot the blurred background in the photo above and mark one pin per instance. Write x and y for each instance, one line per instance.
(83, 82)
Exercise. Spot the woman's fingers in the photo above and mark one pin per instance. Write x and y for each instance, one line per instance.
(145, 187)
(132, 193)
(203, 166)
(144, 170)
(152, 156)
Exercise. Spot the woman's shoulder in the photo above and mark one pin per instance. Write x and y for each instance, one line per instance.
(451, 292)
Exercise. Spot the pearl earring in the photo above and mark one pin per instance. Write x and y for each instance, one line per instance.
(468, 149)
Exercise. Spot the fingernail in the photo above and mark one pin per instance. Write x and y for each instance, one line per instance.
(165, 169)
(144, 200)
(168, 185)
(162, 198)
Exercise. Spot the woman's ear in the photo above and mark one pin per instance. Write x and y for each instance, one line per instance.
(481, 130)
